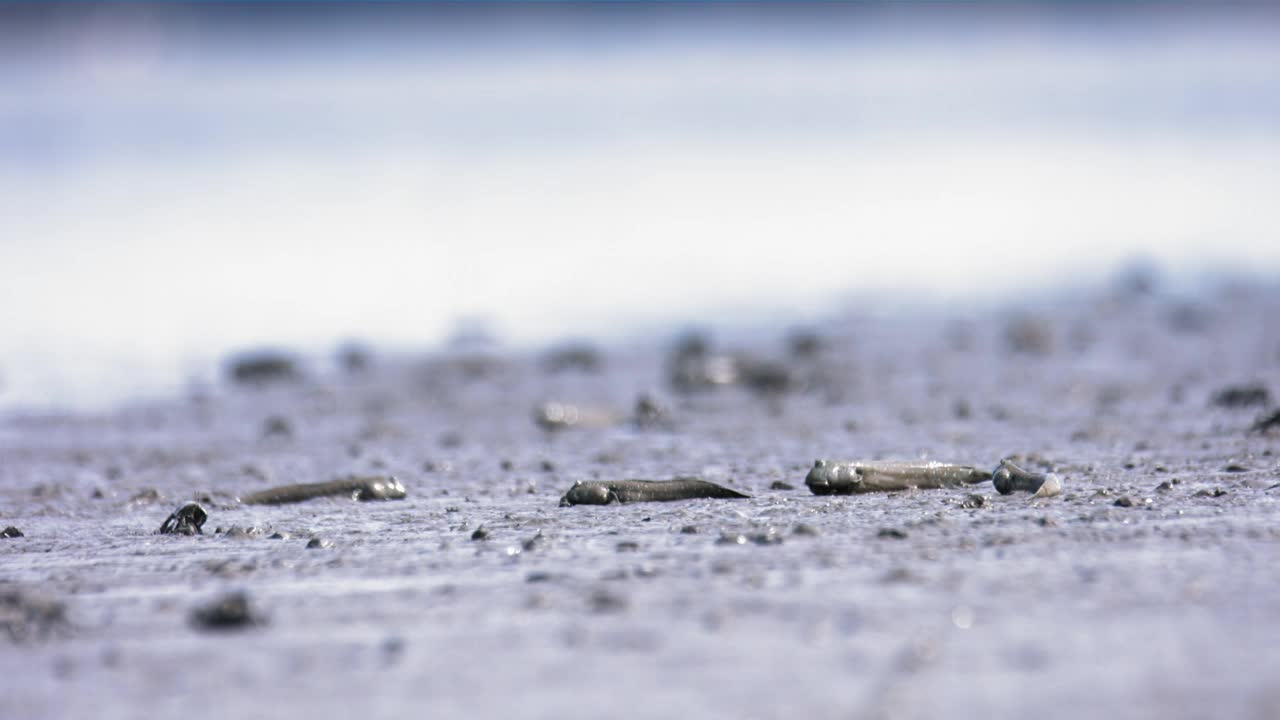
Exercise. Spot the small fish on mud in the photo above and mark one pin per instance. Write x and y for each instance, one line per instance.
(357, 487)
(828, 477)
(186, 520)
(1009, 478)
(604, 492)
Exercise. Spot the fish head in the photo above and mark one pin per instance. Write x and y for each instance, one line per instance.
(583, 494)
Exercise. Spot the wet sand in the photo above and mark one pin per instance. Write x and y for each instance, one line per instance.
(904, 605)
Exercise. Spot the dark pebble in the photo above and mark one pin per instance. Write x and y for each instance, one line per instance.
(804, 343)
(731, 539)
(602, 600)
(146, 496)
(1029, 334)
(689, 530)
(648, 412)
(1237, 396)
(229, 612)
(277, 426)
(261, 367)
(1216, 492)
(579, 356)
(769, 537)
(354, 358)
(316, 543)
(1235, 468)
(481, 533)
(11, 532)
(892, 533)
(1123, 501)
(779, 485)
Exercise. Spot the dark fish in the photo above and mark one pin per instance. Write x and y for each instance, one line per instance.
(358, 488)
(603, 492)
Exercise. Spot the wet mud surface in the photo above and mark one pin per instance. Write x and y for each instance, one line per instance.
(1148, 588)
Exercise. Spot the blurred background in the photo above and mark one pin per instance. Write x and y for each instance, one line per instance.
(180, 180)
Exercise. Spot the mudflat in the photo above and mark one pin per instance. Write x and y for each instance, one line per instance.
(1148, 588)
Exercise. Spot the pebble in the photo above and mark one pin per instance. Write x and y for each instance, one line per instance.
(228, 612)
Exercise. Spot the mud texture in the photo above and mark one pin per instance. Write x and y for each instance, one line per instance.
(1147, 589)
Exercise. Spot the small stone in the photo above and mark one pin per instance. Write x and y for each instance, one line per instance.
(1235, 468)
(1123, 501)
(731, 539)
(11, 532)
(689, 530)
(1165, 486)
(277, 426)
(601, 601)
(30, 615)
(768, 537)
(145, 496)
(481, 533)
(892, 533)
(260, 367)
(649, 413)
(1216, 492)
(1237, 396)
(779, 485)
(229, 612)
(316, 543)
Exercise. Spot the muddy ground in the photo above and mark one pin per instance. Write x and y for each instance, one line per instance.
(905, 605)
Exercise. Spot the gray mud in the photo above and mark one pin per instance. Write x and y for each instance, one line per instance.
(908, 605)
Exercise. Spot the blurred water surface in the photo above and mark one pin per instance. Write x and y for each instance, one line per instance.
(176, 180)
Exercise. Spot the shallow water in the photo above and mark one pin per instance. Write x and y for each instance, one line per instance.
(1053, 607)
